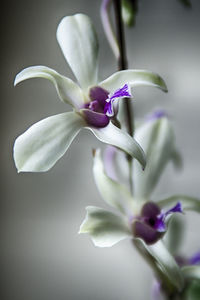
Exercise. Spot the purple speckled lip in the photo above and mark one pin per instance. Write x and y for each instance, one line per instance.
(151, 224)
(100, 109)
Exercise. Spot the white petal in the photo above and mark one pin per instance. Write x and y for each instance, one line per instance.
(165, 262)
(191, 272)
(78, 41)
(115, 194)
(67, 90)
(105, 228)
(39, 148)
(188, 203)
(133, 78)
(114, 136)
(157, 139)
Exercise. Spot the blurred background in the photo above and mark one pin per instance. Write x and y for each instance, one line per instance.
(42, 256)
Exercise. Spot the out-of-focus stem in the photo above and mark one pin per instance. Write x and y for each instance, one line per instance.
(122, 61)
(122, 65)
(107, 25)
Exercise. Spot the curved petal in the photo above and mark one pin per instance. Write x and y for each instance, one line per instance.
(133, 78)
(191, 272)
(114, 136)
(67, 90)
(116, 164)
(165, 262)
(188, 203)
(105, 228)
(39, 148)
(115, 194)
(77, 39)
(156, 137)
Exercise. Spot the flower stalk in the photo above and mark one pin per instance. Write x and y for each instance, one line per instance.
(123, 65)
(122, 61)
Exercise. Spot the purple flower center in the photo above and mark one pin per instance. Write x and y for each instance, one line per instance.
(151, 224)
(101, 108)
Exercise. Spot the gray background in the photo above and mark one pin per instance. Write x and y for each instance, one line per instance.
(42, 257)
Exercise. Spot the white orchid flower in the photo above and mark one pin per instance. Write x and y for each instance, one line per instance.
(94, 103)
(143, 222)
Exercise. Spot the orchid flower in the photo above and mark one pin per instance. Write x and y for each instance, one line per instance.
(94, 103)
(138, 217)
(146, 220)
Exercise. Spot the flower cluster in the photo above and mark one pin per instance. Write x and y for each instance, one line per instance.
(95, 106)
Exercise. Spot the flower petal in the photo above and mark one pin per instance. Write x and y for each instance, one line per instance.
(105, 228)
(39, 148)
(116, 164)
(115, 194)
(77, 39)
(133, 78)
(165, 262)
(188, 203)
(157, 139)
(191, 272)
(114, 136)
(67, 90)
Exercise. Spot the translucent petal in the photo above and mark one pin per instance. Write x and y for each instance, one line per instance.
(67, 90)
(114, 136)
(77, 39)
(157, 139)
(191, 272)
(104, 227)
(164, 262)
(188, 203)
(133, 78)
(115, 194)
(39, 148)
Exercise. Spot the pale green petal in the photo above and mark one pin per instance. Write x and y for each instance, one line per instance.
(67, 90)
(104, 227)
(115, 194)
(157, 140)
(191, 272)
(188, 203)
(114, 136)
(164, 261)
(175, 234)
(77, 39)
(133, 78)
(39, 148)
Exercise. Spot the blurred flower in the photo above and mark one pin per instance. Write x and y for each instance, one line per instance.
(94, 104)
(139, 216)
(146, 221)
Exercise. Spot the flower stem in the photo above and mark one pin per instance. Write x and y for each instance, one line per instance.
(123, 65)
(122, 61)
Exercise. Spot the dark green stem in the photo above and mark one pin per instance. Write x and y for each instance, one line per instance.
(123, 65)
(122, 61)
